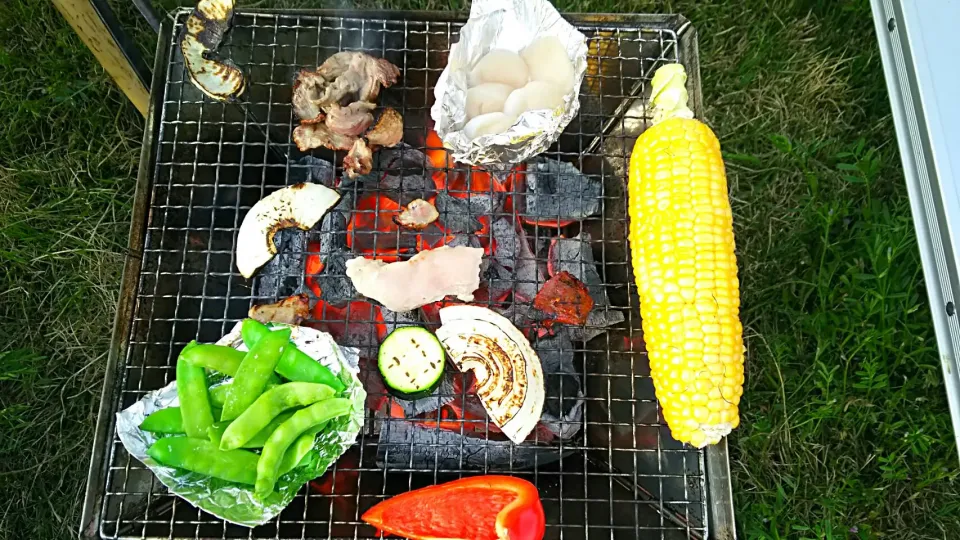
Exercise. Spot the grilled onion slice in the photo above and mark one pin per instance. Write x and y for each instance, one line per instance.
(508, 371)
(300, 205)
(204, 30)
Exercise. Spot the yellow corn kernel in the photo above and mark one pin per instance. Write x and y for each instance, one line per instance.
(681, 242)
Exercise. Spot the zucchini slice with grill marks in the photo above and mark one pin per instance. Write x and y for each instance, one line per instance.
(411, 362)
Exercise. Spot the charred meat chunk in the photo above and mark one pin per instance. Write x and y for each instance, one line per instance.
(344, 78)
(566, 298)
(417, 215)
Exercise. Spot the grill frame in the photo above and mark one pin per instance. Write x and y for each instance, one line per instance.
(714, 481)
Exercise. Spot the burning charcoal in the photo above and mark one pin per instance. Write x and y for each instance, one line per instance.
(456, 215)
(512, 251)
(443, 394)
(598, 321)
(418, 445)
(400, 174)
(523, 315)
(332, 233)
(336, 288)
(398, 319)
(403, 174)
(318, 170)
(353, 325)
(563, 404)
(279, 278)
(498, 279)
(575, 255)
(555, 193)
(566, 298)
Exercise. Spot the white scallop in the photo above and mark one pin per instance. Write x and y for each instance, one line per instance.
(548, 61)
(486, 98)
(487, 124)
(500, 66)
(535, 95)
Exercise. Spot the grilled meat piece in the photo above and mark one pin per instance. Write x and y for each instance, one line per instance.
(344, 78)
(291, 310)
(315, 135)
(388, 131)
(354, 119)
(427, 277)
(359, 160)
(417, 215)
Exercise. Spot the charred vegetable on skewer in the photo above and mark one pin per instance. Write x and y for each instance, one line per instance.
(201, 37)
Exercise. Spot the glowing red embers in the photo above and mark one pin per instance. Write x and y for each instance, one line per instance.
(372, 231)
(313, 267)
(439, 158)
(353, 317)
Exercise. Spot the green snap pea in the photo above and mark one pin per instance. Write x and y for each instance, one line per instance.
(195, 407)
(202, 456)
(215, 432)
(269, 405)
(216, 357)
(220, 358)
(254, 372)
(164, 421)
(294, 364)
(268, 468)
(218, 394)
(299, 449)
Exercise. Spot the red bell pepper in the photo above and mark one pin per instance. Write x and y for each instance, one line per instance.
(477, 508)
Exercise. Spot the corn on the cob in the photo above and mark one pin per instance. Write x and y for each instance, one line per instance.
(681, 242)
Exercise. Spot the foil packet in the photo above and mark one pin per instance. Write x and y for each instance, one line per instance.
(233, 502)
(512, 25)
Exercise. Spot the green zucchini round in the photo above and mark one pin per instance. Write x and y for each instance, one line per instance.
(411, 362)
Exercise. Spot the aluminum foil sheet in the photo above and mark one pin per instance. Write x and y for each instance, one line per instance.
(512, 25)
(233, 502)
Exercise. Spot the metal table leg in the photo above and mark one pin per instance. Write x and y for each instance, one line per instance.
(97, 26)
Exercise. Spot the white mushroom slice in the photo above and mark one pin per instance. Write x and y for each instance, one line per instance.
(300, 205)
(201, 36)
(509, 376)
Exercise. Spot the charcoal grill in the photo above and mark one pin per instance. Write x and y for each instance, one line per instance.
(204, 164)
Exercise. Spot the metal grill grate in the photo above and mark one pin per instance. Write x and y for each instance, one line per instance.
(622, 475)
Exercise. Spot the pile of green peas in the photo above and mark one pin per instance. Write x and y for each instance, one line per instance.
(217, 431)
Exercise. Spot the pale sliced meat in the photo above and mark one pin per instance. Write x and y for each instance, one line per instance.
(427, 277)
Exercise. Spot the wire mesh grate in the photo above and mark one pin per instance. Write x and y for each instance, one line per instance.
(619, 476)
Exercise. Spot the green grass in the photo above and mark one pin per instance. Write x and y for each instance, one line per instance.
(845, 429)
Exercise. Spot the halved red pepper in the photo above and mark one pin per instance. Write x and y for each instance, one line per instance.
(478, 508)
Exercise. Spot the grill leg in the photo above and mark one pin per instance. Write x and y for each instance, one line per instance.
(98, 28)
